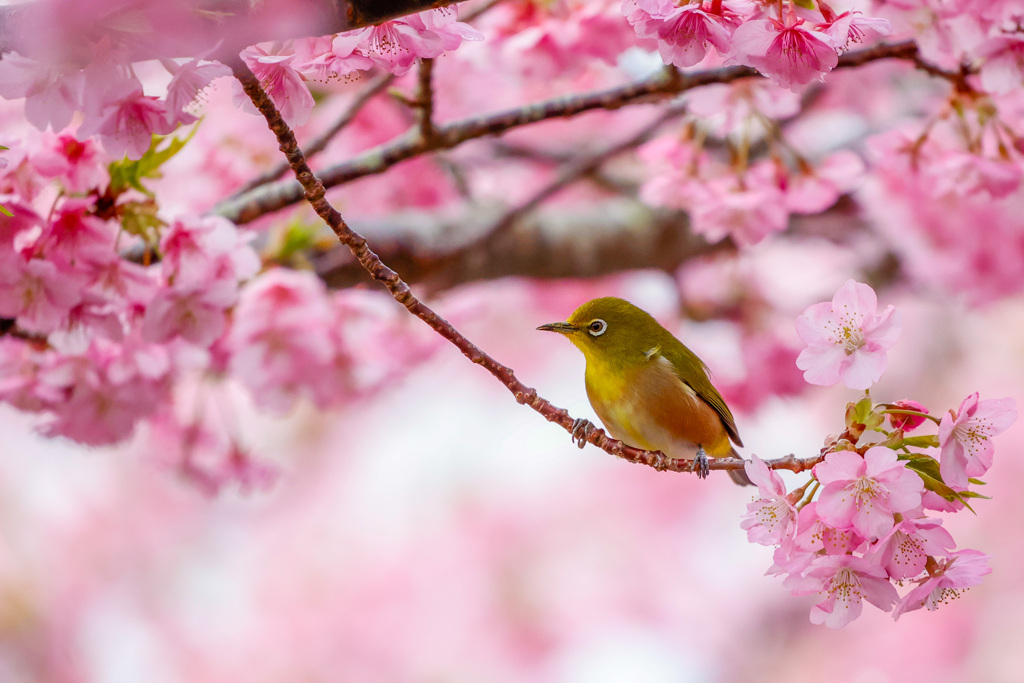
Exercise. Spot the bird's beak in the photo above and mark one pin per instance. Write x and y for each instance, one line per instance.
(561, 328)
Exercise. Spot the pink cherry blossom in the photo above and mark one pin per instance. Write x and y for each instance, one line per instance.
(328, 57)
(395, 45)
(965, 437)
(816, 188)
(126, 125)
(907, 422)
(281, 341)
(771, 518)
(187, 82)
(73, 236)
(1002, 70)
(196, 314)
(844, 582)
(965, 173)
(946, 581)
(102, 403)
(813, 534)
(21, 364)
(38, 293)
(865, 492)
(792, 55)
(853, 27)
(904, 551)
(741, 107)
(846, 340)
(199, 250)
(747, 213)
(52, 94)
(79, 165)
(684, 33)
(281, 81)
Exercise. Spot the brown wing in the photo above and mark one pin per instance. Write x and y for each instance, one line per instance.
(681, 357)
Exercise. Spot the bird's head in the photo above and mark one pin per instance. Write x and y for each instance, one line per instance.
(611, 330)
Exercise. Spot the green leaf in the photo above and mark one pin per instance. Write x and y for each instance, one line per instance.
(296, 238)
(922, 441)
(928, 469)
(806, 4)
(129, 173)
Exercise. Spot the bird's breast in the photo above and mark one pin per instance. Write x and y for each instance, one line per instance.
(649, 407)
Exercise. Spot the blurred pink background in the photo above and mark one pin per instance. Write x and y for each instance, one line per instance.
(438, 531)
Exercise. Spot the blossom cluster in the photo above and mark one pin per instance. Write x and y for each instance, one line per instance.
(394, 46)
(865, 521)
(102, 87)
(787, 42)
(108, 309)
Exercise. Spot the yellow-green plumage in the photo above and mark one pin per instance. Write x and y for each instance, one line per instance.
(649, 390)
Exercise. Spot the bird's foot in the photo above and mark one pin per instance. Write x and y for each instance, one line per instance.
(700, 463)
(581, 431)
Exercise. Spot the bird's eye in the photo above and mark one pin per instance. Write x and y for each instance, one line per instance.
(597, 327)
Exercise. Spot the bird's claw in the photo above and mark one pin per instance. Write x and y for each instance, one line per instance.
(581, 431)
(700, 464)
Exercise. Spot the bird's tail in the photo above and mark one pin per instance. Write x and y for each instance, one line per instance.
(739, 476)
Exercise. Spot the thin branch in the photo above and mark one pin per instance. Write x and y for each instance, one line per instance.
(573, 172)
(424, 101)
(666, 83)
(317, 144)
(315, 195)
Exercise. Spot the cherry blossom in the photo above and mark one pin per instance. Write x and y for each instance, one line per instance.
(854, 27)
(747, 214)
(1002, 70)
(905, 549)
(865, 492)
(126, 125)
(814, 534)
(965, 437)
(771, 518)
(846, 340)
(395, 45)
(907, 422)
(684, 33)
(38, 293)
(791, 54)
(52, 93)
(281, 344)
(844, 582)
(80, 165)
(947, 579)
(281, 81)
(187, 82)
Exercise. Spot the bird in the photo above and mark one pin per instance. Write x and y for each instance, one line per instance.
(647, 387)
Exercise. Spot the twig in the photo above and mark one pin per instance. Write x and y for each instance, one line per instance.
(317, 144)
(665, 83)
(315, 194)
(573, 172)
(424, 101)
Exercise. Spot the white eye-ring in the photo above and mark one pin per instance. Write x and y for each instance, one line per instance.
(597, 327)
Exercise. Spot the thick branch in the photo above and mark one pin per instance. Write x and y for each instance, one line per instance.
(666, 83)
(314, 193)
(620, 235)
